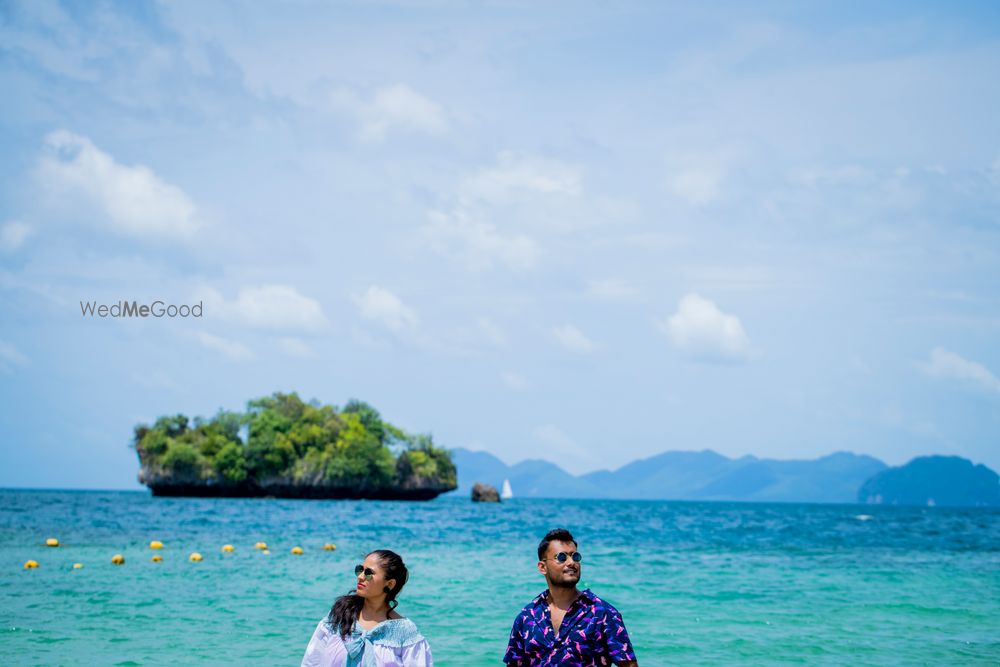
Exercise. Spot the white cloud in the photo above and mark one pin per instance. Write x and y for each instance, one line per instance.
(514, 381)
(296, 347)
(267, 307)
(697, 177)
(698, 185)
(573, 339)
(13, 234)
(515, 173)
(364, 338)
(382, 306)
(948, 365)
(11, 357)
(738, 278)
(29, 31)
(843, 175)
(552, 436)
(654, 241)
(702, 331)
(611, 290)
(564, 451)
(231, 349)
(478, 245)
(392, 108)
(490, 332)
(993, 172)
(156, 379)
(133, 199)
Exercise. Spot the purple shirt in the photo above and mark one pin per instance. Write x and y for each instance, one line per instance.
(592, 633)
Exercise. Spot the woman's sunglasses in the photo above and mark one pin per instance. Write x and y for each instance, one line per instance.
(369, 573)
(562, 557)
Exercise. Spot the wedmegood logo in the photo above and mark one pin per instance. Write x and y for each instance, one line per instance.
(135, 309)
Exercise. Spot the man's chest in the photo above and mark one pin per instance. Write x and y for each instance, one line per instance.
(556, 615)
(566, 638)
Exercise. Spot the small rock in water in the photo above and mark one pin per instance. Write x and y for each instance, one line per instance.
(484, 493)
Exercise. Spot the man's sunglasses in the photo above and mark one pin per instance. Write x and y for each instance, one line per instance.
(369, 573)
(562, 557)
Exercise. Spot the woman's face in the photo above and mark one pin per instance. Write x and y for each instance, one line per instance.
(371, 580)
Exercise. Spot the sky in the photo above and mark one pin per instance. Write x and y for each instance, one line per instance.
(581, 232)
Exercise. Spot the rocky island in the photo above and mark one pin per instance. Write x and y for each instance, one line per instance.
(287, 448)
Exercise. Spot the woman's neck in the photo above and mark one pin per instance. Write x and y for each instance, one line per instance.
(375, 611)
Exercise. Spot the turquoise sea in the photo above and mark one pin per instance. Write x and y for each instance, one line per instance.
(697, 583)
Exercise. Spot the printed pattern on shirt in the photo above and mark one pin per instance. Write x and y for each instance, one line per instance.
(592, 633)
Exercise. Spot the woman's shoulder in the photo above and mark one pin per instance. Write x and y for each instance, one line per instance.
(403, 621)
(396, 632)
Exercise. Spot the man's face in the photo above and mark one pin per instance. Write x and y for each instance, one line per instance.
(566, 573)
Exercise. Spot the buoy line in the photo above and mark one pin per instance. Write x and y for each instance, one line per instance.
(119, 559)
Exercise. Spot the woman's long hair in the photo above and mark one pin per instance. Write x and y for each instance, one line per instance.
(346, 608)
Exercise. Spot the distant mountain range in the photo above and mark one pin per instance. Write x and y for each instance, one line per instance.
(841, 477)
(934, 480)
(704, 475)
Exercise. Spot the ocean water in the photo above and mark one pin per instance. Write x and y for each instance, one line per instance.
(697, 583)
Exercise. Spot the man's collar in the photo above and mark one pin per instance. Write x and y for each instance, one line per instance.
(543, 598)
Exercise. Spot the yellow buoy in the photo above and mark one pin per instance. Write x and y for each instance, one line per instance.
(77, 566)
(118, 559)
(329, 546)
(157, 558)
(52, 542)
(31, 565)
(297, 551)
(156, 544)
(194, 557)
(266, 552)
(228, 548)
(261, 545)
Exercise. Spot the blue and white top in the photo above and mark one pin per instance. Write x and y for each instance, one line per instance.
(392, 643)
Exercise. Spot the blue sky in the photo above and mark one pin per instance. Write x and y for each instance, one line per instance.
(565, 231)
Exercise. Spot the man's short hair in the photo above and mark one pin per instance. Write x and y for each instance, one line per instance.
(554, 535)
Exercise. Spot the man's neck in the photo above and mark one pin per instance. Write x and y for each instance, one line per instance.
(562, 596)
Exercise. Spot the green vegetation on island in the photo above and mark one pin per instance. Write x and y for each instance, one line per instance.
(285, 447)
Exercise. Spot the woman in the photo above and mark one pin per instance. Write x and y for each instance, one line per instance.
(363, 628)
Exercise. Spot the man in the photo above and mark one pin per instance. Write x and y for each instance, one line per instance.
(563, 625)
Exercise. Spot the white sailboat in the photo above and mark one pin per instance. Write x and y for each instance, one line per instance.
(506, 493)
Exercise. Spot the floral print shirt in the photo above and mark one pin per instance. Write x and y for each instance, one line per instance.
(592, 633)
